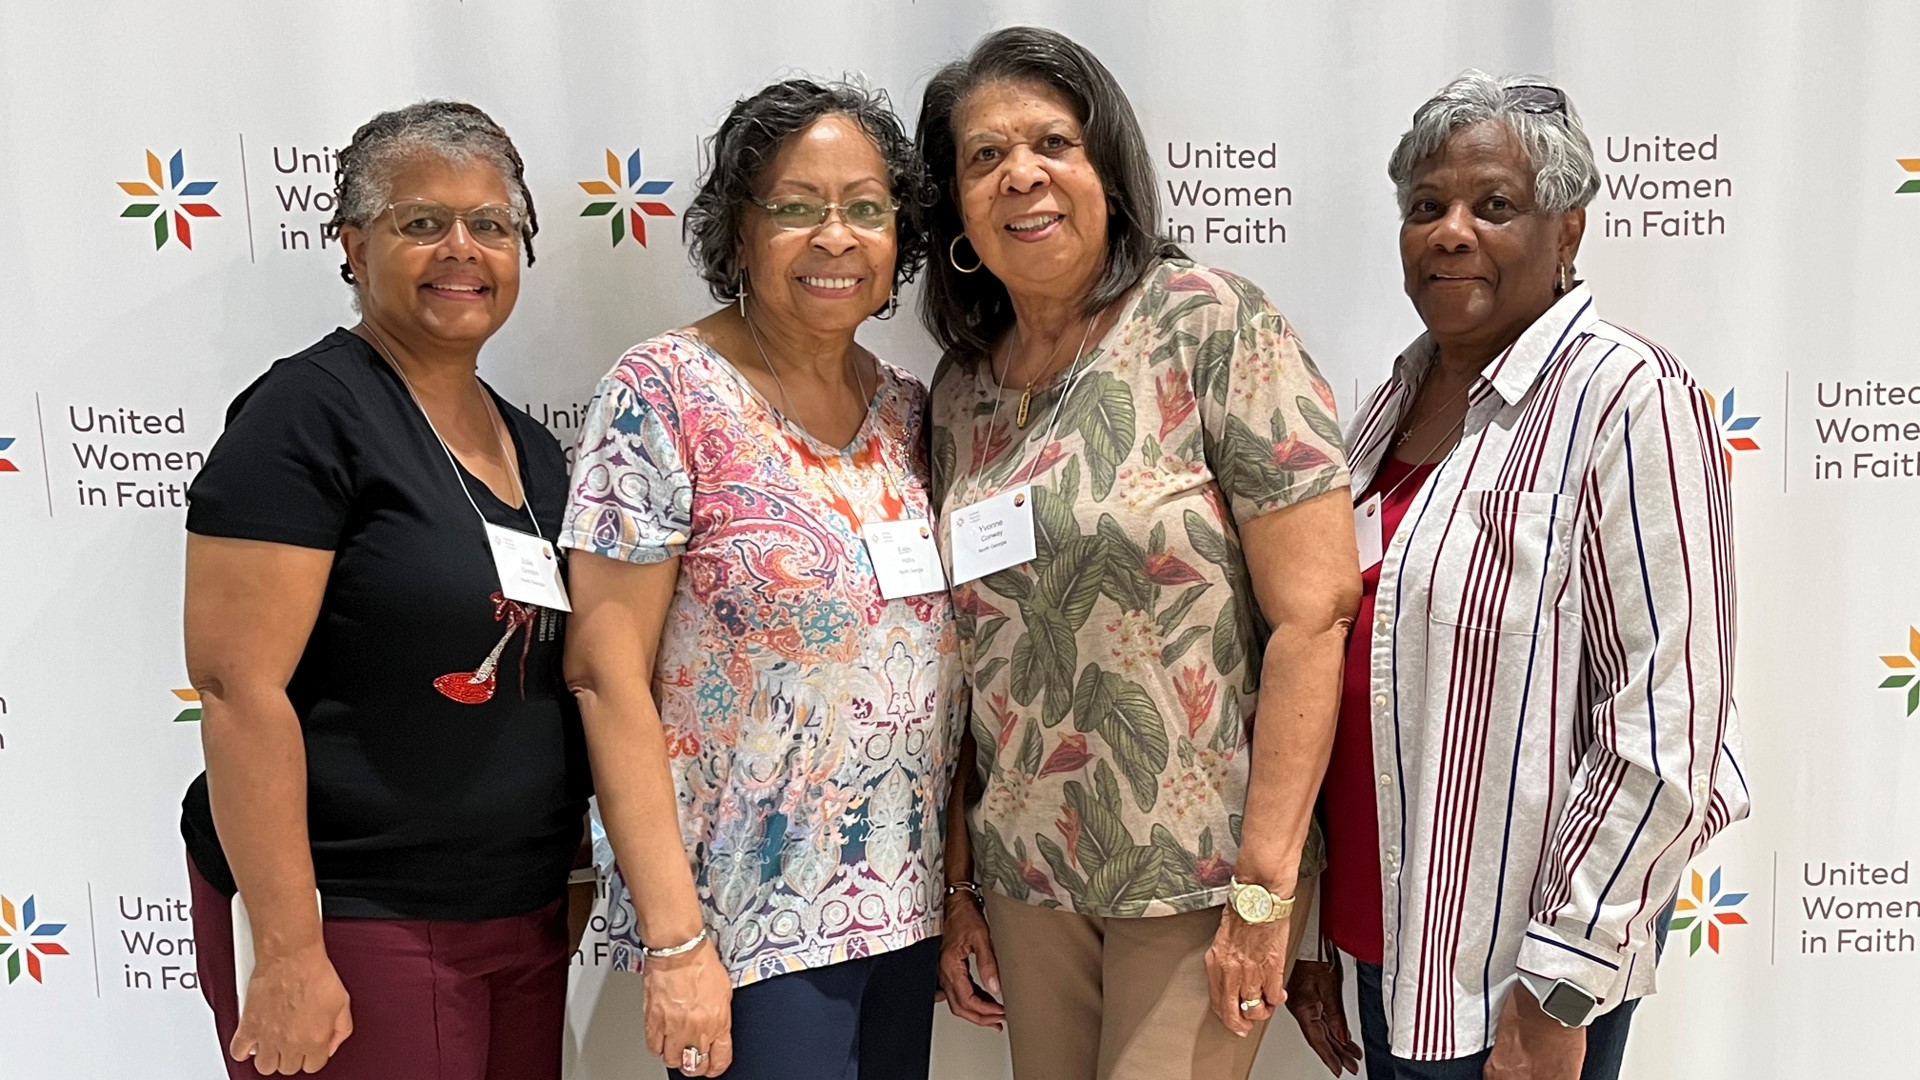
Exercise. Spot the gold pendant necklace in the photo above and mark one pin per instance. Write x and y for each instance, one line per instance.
(1026, 395)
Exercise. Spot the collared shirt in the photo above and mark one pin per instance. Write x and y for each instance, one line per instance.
(1552, 675)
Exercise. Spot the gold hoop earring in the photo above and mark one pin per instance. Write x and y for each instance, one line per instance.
(953, 257)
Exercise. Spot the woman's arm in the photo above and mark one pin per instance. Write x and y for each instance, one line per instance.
(250, 607)
(613, 637)
(965, 933)
(1306, 579)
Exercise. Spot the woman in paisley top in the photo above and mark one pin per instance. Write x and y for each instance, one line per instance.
(1193, 564)
(766, 697)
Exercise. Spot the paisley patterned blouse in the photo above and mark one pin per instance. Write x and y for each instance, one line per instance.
(811, 725)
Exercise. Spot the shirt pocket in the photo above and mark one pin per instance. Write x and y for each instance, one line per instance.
(1504, 560)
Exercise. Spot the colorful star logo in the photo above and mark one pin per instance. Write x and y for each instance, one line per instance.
(190, 714)
(176, 198)
(1911, 187)
(1706, 911)
(24, 939)
(634, 200)
(1733, 427)
(1905, 671)
(5, 465)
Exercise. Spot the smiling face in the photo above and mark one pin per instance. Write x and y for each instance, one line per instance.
(1032, 204)
(829, 277)
(1480, 257)
(453, 293)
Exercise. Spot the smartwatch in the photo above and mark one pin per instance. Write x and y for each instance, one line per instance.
(1566, 1003)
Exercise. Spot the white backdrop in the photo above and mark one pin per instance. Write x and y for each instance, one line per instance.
(1785, 280)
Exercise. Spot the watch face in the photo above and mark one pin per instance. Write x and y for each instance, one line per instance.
(1567, 1004)
(1254, 904)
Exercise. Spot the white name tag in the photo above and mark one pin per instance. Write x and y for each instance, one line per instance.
(905, 559)
(1366, 532)
(992, 534)
(529, 570)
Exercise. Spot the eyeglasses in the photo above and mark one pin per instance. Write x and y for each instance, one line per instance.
(425, 222)
(805, 212)
(1537, 98)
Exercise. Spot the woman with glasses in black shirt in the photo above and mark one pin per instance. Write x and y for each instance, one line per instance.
(373, 620)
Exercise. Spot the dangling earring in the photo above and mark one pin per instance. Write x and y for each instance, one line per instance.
(740, 291)
(1566, 278)
(893, 305)
(954, 258)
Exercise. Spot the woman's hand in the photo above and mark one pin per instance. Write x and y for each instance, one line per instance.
(1314, 999)
(1247, 962)
(966, 936)
(690, 1004)
(297, 1014)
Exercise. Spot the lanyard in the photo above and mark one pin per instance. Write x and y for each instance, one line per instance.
(493, 420)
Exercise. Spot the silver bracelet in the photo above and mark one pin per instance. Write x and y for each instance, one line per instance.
(676, 950)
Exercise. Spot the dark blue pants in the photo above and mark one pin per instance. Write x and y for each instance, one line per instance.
(865, 1019)
(1606, 1042)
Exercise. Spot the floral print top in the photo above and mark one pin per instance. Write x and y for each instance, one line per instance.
(810, 724)
(1114, 677)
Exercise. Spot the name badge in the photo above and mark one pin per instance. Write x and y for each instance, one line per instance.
(905, 559)
(1366, 532)
(992, 534)
(528, 568)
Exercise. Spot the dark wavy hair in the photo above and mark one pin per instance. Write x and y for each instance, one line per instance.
(966, 312)
(753, 132)
(450, 130)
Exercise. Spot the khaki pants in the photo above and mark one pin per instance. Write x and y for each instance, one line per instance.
(1112, 999)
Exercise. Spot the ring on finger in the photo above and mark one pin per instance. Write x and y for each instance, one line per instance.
(1250, 1004)
(691, 1059)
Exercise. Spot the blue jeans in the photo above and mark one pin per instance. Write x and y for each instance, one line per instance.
(1606, 1037)
(865, 1019)
(1606, 1042)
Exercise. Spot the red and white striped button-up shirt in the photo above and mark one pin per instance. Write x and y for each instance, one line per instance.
(1552, 670)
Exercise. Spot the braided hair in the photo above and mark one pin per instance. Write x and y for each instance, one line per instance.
(450, 130)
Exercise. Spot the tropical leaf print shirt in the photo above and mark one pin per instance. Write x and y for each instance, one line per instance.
(810, 723)
(1114, 676)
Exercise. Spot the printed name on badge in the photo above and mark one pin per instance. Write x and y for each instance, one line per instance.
(906, 561)
(992, 534)
(528, 567)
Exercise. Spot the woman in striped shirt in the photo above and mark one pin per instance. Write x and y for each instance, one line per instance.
(1537, 730)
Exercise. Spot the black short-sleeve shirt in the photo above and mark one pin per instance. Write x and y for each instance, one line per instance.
(428, 797)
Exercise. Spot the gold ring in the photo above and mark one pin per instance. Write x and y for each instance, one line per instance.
(1250, 1004)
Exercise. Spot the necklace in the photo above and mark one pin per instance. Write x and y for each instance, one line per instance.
(1407, 430)
(1026, 395)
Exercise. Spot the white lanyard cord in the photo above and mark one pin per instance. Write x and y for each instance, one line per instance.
(492, 421)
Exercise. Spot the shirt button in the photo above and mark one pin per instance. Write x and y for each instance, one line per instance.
(1385, 780)
(1380, 700)
(1392, 856)
(1383, 619)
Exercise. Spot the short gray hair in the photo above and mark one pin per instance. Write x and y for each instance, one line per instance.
(1564, 174)
(452, 131)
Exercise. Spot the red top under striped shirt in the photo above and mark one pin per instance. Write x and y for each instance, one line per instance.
(1350, 888)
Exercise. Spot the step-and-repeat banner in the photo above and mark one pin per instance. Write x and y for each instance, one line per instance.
(167, 166)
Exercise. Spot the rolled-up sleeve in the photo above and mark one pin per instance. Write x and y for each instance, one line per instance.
(1658, 604)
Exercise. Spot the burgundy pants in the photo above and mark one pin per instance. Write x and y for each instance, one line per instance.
(431, 999)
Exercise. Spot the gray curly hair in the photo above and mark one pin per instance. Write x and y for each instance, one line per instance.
(1564, 174)
(452, 131)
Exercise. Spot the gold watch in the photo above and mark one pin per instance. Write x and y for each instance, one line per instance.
(1255, 904)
